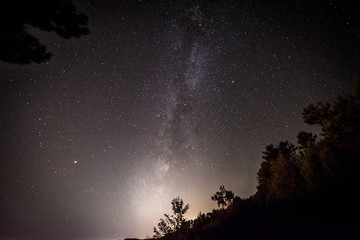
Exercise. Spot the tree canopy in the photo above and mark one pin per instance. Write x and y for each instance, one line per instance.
(289, 171)
(17, 45)
(174, 222)
(223, 197)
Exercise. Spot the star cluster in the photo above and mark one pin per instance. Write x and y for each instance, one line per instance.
(160, 100)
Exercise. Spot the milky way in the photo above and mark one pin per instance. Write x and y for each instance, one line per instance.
(164, 99)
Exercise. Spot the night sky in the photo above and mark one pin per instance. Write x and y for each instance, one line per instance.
(161, 99)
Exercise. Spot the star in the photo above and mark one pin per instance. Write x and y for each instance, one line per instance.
(161, 99)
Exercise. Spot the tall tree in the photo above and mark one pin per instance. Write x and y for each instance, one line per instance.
(339, 121)
(287, 182)
(278, 172)
(174, 222)
(265, 172)
(334, 159)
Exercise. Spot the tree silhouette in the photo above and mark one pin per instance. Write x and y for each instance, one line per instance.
(174, 222)
(286, 182)
(289, 171)
(334, 159)
(19, 46)
(306, 139)
(339, 121)
(265, 172)
(223, 197)
(316, 180)
(279, 176)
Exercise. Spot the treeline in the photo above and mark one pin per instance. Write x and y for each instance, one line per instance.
(308, 190)
(332, 162)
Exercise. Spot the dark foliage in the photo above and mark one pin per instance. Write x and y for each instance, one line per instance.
(308, 191)
(223, 198)
(19, 46)
(172, 224)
